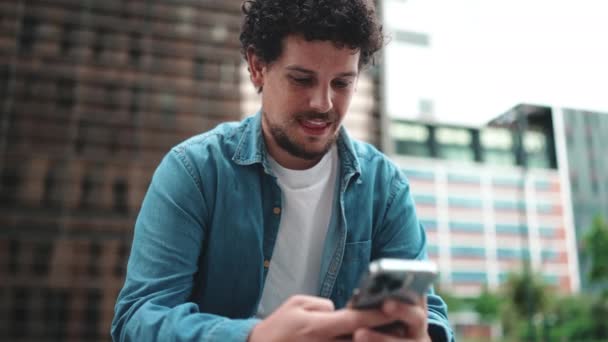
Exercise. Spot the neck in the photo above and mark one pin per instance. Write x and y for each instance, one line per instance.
(286, 159)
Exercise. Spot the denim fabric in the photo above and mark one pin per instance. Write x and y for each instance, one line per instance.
(209, 222)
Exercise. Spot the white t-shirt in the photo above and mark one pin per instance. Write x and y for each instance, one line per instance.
(307, 197)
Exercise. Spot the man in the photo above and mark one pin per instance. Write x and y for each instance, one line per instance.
(260, 230)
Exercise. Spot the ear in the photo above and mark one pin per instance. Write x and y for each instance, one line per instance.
(256, 68)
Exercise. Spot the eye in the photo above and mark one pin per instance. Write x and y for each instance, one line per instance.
(301, 80)
(341, 84)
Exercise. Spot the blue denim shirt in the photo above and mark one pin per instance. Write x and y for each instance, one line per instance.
(208, 225)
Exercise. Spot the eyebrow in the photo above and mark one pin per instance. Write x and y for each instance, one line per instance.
(310, 72)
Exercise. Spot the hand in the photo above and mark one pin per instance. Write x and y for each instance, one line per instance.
(412, 327)
(307, 318)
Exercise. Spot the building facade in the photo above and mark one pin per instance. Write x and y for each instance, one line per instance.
(586, 136)
(585, 163)
(579, 137)
(485, 211)
(93, 94)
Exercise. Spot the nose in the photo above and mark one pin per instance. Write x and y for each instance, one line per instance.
(321, 99)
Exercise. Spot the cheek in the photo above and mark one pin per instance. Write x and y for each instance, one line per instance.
(341, 107)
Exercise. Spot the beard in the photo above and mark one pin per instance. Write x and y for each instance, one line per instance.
(298, 149)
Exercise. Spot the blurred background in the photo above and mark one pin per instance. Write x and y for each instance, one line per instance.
(496, 113)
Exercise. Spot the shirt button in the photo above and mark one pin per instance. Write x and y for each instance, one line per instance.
(266, 263)
(276, 210)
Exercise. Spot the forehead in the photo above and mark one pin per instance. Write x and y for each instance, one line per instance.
(318, 55)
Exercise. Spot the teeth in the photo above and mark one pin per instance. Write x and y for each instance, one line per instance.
(319, 123)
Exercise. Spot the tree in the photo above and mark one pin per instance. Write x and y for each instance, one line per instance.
(527, 292)
(527, 298)
(596, 248)
(488, 305)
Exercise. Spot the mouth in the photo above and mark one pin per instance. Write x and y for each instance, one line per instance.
(315, 126)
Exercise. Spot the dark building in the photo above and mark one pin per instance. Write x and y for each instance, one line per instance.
(93, 94)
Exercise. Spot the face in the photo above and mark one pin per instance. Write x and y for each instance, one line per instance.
(306, 93)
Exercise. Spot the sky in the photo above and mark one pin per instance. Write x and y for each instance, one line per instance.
(489, 55)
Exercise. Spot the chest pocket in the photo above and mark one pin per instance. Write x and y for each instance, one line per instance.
(355, 262)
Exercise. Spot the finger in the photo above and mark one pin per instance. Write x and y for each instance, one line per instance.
(413, 316)
(346, 321)
(312, 303)
(369, 335)
(423, 302)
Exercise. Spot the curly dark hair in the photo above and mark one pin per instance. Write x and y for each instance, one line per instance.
(351, 23)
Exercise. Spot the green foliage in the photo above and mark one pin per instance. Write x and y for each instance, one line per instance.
(596, 247)
(529, 310)
(454, 303)
(579, 318)
(526, 299)
(488, 305)
(571, 318)
(527, 293)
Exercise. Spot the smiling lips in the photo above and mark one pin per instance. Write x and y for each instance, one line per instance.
(315, 126)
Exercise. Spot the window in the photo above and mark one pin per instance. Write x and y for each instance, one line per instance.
(134, 105)
(199, 66)
(512, 253)
(10, 185)
(65, 92)
(111, 97)
(510, 205)
(466, 227)
(94, 256)
(228, 73)
(497, 146)
(469, 277)
(515, 183)
(51, 196)
(410, 139)
(55, 313)
(119, 266)
(535, 144)
(18, 322)
(67, 39)
(418, 174)
(186, 16)
(42, 255)
(5, 73)
(548, 255)
(14, 248)
(547, 232)
(29, 30)
(425, 199)
(512, 229)
(461, 178)
(135, 49)
(87, 190)
(99, 43)
(468, 252)
(429, 224)
(460, 202)
(120, 191)
(167, 104)
(454, 143)
(91, 314)
(80, 141)
(595, 186)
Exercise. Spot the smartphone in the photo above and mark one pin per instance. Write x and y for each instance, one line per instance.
(405, 280)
